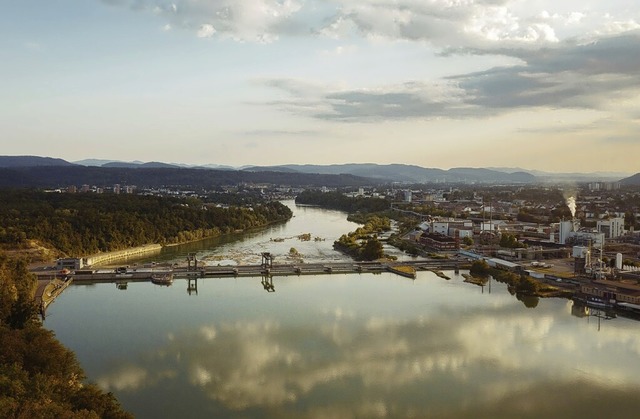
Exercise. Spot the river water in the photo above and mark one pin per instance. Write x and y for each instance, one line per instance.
(343, 346)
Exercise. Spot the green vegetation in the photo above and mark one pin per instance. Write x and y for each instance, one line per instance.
(39, 378)
(338, 201)
(373, 223)
(480, 268)
(429, 209)
(510, 241)
(362, 244)
(80, 224)
(520, 283)
(406, 246)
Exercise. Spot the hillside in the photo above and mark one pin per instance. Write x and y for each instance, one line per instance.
(631, 180)
(31, 161)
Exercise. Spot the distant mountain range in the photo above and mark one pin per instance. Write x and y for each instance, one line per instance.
(138, 164)
(406, 173)
(377, 173)
(591, 176)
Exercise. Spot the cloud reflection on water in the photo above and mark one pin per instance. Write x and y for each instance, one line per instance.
(383, 366)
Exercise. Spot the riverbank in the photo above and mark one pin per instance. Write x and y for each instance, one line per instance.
(103, 258)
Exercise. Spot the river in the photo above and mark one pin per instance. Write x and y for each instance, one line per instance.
(343, 345)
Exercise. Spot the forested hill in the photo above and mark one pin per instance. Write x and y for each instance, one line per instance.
(82, 224)
(40, 378)
(155, 177)
(31, 161)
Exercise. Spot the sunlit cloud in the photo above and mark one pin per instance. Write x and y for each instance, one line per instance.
(243, 20)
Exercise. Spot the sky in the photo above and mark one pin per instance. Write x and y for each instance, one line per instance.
(535, 84)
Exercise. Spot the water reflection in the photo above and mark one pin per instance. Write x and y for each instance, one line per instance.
(353, 360)
(267, 283)
(192, 286)
(343, 345)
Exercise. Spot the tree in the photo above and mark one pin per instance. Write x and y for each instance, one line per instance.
(38, 376)
(17, 288)
(372, 249)
(629, 220)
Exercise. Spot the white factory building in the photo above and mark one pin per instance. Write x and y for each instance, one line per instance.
(611, 228)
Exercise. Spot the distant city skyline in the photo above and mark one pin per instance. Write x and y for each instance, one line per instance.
(543, 85)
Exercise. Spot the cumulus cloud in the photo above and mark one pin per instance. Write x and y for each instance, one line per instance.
(613, 27)
(243, 20)
(441, 23)
(206, 31)
(570, 59)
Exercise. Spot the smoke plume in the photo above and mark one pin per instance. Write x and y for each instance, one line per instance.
(571, 203)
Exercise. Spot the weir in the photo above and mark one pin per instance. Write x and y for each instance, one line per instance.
(267, 269)
(273, 269)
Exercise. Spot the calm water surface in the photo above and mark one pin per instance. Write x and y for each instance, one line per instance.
(344, 345)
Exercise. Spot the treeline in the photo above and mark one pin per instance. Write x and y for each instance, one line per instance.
(40, 378)
(338, 201)
(80, 224)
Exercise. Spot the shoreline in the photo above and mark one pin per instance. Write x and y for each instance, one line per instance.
(105, 258)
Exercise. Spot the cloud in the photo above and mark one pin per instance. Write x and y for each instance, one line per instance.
(568, 75)
(206, 31)
(401, 101)
(439, 22)
(243, 20)
(614, 27)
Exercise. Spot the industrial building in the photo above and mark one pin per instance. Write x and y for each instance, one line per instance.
(611, 228)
